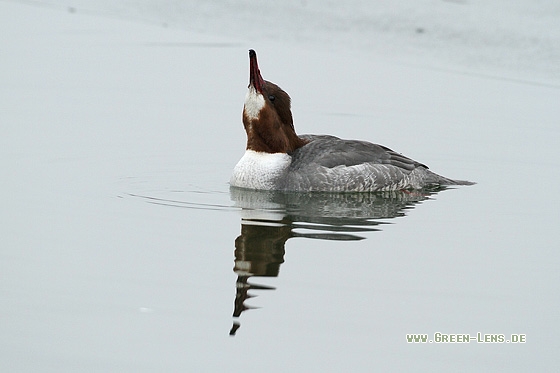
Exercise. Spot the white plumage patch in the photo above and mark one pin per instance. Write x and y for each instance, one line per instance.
(254, 102)
(260, 170)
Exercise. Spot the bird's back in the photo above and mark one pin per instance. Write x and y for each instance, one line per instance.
(330, 164)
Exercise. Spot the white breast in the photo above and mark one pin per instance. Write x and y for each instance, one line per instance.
(260, 170)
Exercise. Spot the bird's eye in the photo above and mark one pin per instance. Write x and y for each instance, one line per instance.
(272, 98)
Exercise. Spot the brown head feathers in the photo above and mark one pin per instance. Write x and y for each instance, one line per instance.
(267, 115)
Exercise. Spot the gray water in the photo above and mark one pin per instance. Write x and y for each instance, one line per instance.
(124, 248)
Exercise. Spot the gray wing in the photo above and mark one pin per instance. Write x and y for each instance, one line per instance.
(348, 153)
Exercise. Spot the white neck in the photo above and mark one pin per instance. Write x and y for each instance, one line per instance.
(254, 102)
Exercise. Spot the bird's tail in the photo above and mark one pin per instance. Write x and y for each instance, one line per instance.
(434, 178)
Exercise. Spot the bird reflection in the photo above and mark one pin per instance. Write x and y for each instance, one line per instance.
(259, 251)
(269, 219)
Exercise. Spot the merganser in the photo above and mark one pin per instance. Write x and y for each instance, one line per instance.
(276, 158)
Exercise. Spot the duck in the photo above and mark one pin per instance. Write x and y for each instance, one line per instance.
(276, 158)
